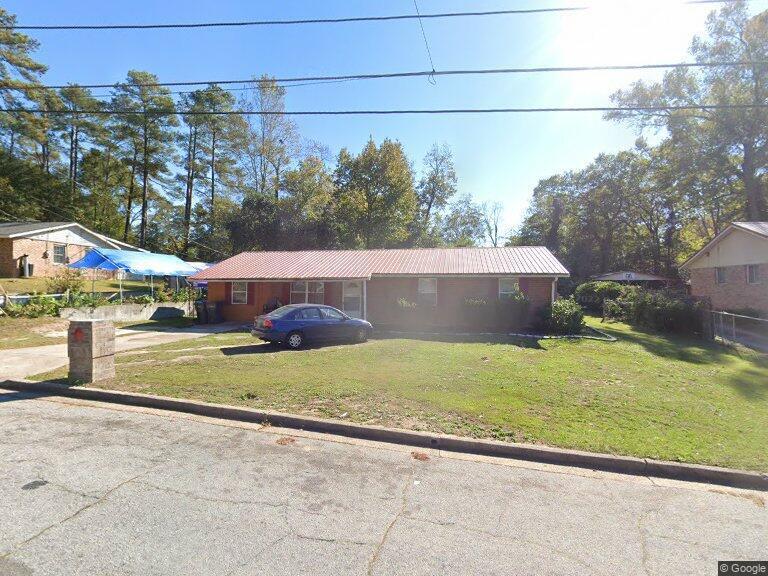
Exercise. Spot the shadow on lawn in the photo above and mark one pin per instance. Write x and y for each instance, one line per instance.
(533, 343)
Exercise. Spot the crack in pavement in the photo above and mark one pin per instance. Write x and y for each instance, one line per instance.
(98, 500)
(403, 506)
(332, 540)
(77, 513)
(258, 554)
(195, 496)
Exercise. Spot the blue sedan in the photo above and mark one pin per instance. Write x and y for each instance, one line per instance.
(296, 324)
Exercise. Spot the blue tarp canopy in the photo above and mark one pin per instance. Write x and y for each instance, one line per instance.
(140, 263)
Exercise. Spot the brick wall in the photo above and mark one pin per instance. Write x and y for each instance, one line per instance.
(7, 265)
(383, 294)
(11, 251)
(736, 293)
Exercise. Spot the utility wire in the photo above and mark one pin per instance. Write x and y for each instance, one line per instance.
(408, 74)
(241, 23)
(426, 43)
(428, 111)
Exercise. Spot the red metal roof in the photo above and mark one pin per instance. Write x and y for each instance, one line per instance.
(359, 264)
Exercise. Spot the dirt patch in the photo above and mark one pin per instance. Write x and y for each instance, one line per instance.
(285, 441)
(756, 499)
(420, 456)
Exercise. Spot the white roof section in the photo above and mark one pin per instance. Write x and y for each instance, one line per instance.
(30, 229)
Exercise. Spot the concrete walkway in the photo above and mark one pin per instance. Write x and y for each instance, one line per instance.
(25, 362)
(89, 488)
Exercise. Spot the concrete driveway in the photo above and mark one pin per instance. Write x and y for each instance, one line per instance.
(24, 362)
(89, 489)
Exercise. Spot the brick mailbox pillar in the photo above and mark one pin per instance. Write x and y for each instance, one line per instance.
(91, 349)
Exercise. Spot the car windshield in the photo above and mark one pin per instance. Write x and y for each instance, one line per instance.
(282, 311)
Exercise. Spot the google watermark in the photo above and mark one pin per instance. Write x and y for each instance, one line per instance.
(726, 567)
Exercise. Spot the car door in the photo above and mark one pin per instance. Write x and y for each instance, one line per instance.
(336, 325)
(311, 323)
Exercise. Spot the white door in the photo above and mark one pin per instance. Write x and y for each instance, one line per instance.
(352, 299)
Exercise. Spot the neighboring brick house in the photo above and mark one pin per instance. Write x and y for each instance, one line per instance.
(44, 248)
(732, 270)
(446, 286)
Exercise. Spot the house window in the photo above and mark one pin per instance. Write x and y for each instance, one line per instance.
(508, 288)
(720, 275)
(307, 293)
(239, 292)
(753, 273)
(428, 291)
(59, 253)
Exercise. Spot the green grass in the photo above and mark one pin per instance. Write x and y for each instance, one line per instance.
(39, 284)
(646, 395)
(28, 332)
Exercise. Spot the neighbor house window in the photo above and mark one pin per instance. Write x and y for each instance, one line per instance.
(59, 253)
(508, 288)
(428, 291)
(307, 293)
(753, 274)
(720, 275)
(239, 292)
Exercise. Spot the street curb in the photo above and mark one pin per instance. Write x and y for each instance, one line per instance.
(529, 452)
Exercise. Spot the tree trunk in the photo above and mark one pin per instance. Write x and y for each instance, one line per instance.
(75, 153)
(753, 186)
(144, 185)
(213, 179)
(129, 200)
(191, 154)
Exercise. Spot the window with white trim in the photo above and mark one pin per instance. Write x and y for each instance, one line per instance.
(720, 276)
(59, 253)
(239, 292)
(753, 273)
(307, 292)
(428, 291)
(508, 287)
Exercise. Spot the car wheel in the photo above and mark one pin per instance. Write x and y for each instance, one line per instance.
(294, 340)
(361, 335)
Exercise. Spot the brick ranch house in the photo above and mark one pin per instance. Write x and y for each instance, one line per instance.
(732, 270)
(386, 286)
(47, 246)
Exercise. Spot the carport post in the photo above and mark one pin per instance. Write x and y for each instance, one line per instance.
(365, 299)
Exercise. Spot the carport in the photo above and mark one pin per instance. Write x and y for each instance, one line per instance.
(139, 263)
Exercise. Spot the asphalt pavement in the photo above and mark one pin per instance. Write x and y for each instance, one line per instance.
(97, 489)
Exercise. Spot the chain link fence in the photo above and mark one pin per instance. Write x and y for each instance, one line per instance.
(746, 330)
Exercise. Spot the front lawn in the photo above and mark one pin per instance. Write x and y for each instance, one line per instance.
(38, 284)
(646, 395)
(29, 332)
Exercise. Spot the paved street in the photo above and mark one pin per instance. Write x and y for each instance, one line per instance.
(25, 362)
(94, 489)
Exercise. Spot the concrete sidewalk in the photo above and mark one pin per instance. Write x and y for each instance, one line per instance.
(90, 488)
(25, 362)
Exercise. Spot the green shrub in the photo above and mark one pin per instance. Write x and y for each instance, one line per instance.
(564, 316)
(186, 295)
(68, 279)
(34, 308)
(86, 300)
(592, 295)
(659, 310)
(142, 299)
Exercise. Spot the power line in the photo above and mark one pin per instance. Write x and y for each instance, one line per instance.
(421, 111)
(407, 74)
(426, 42)
(351, 19)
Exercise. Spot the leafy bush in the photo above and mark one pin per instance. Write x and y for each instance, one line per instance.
(659, 310)
(84, 299)
(186, 295)
(68, 279)
(141, 299)
(592, 295)
(34, 308)
(564, 316)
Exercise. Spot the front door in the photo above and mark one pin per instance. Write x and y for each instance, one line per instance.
(352, 299)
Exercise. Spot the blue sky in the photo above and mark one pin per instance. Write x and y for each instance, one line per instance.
(498, 158)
